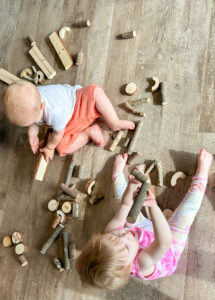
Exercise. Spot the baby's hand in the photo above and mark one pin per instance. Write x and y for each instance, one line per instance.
(150, 200)
(133, 185)
(34, 143)
(49, 154)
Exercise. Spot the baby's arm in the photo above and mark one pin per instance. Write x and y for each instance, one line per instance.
(34, 142)
(127, 201)
(52, 143)
(163, 238)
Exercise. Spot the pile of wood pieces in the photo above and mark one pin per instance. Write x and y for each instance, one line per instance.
(20, 248)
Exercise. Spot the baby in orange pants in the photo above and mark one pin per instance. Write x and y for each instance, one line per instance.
(69, 110)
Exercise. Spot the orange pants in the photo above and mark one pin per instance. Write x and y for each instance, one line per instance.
(85, 113)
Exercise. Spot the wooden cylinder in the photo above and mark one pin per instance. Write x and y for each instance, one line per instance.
(81, 171)
(131, 88)
(90, 186)
(80, 57)
(150, 168)
(52, 238)
(138, 203)
(56, 221)
(21, 249)
(85, 23)
(132, 143)
(53, 205)
(58, 264)
(163, 93)
(63, 197)
(72, 251)
(127, 141)
(31, 40)
(140, 176)
(66, 207)
(62, 216)
(116, 140)
(17, 237)
(75, 210)
(7, 241)
(70, 191)
(70, 172)
(128, 35)
(66, 250)
(23, 261)
(160, 172)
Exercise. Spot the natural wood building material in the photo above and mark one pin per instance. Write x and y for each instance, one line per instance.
(70, 191)
(17, 237)
(52, 238)
(7, 77)
(131, 88)
(53, 205)
(63, 31)
(23, 261)
(150, 168)
(58, 264)
(56, 221)
(167, 213)
(140, 176)
(138, 203)
(128, 35)
(66, 250)
(176, 176)
(75, 210)
(163, 93)
(66, 207)
(84, 23)
(21, 249)
(26, 72)
(79, 59)
(70, 172)
(94, 199)
(90, 186)
(139, 101)
(40, 60)
(61, 50)
(62, 216)
(127, 141)
(156, 85)
(81, 171)
(132, 157)
(64, 197)
(41, 168)
(159, 167)
(130, 107)
(72, 251)
(41, 77)
(137, 131)
(7, 241)
(116, 140)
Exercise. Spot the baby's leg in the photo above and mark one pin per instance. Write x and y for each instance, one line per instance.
(118, 176)
(91, 133)
(183, 217)
(106, 109)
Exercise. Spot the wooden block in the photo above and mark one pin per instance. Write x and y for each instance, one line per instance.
(61, 50)
(42, 62)
(40, 169)
(7, 77)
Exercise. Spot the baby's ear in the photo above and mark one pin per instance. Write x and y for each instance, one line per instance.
(42, 106)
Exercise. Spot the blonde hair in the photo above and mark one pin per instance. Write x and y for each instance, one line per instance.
(21, 100)
(102, 265)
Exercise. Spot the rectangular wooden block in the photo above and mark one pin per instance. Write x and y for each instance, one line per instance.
(7, 77)
(41, 168)
(42, 62)
(61, 50)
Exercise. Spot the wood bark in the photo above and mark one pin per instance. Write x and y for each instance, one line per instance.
(23, 261)
(7, 241)
(132, 143)
(70, 191)
(116, 140)
(66, 250)
(70, 172)
(58, 264)
(52, 238)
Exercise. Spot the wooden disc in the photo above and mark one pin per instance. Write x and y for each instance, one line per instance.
(131, 88)
(17, 237)
(20, 249)
(167, 213)
(7, 242)
(23, 260)
(53, 205)
(66, 207)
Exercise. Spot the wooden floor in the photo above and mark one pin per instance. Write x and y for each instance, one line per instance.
(176, 42)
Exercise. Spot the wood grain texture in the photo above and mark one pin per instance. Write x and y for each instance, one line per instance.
(175, 42)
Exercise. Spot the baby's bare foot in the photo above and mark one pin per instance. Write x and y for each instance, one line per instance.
(94, 132)
(119, 163)
(122, 124)
(204, 163)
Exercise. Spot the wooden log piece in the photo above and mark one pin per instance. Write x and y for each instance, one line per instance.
(167, 213)
(56, 221)
(40, 60)
(132, 143)
(131, 89)
(116, 140)
(26, 71)
(23, 261)
(62, 216)
(70, 172)
(21, 249)
(75, 210)
(63, 32)
(17, 237)
(41, 77)
(70, 191)
(7, 77)
(64, 197)
(128, 35)
(127, 141)
(7, 241)
(141, 177)
(52, 238)
(138, 203)
(61, 50)
(81, 171)
(58, 264)
(66, 207)
(72, 251)
(94, 199)
(156, 85)
(90, 186)
(140, 101)
(53, 205)
(80, 57)
(130, 107)
(150, 168)
(159, 167)
(66, 250)
(41, 168)
(85, 23)
(176, 176)
(163, 93)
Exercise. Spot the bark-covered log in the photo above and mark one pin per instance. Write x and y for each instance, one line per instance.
(66, 250)
(52, 238)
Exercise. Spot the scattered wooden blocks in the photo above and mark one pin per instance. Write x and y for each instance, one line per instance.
(41, 168)
(7, 77)
(131, 89)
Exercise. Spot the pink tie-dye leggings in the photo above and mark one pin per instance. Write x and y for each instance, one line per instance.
(182, 218)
